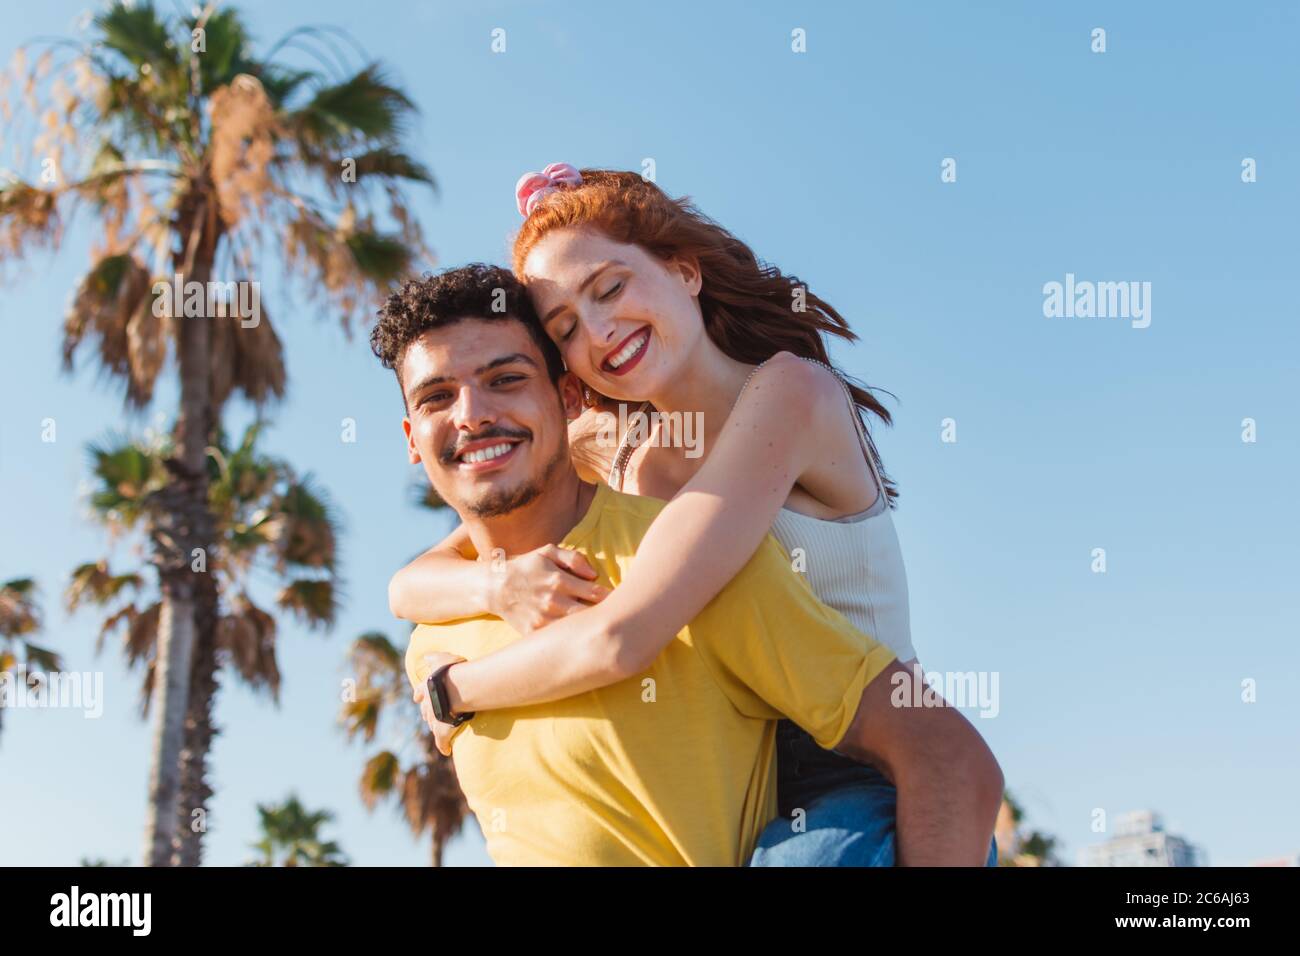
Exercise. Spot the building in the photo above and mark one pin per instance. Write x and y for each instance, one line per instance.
(1140, 840)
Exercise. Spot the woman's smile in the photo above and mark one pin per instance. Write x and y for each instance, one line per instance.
(628, 353)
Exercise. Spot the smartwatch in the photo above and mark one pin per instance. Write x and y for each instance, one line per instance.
(437, 688)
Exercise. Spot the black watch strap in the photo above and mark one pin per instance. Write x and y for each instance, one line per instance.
(437, 687)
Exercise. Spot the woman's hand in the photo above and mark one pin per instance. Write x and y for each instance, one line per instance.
(442, 733)
(540, 586)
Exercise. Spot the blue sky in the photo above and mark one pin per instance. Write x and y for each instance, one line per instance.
(1120, 690)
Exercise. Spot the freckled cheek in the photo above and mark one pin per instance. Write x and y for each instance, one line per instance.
(647, 309)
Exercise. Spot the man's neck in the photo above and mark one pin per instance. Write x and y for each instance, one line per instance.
(544, 520)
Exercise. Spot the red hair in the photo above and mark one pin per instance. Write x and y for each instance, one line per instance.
(748, 305)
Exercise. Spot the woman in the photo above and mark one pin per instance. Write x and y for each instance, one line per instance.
(651, 302)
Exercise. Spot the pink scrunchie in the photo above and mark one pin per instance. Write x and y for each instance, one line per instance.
(533, 186)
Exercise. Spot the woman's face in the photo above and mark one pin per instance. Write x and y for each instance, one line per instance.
(626, 321)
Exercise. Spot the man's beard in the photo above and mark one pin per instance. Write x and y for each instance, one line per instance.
(501, 502)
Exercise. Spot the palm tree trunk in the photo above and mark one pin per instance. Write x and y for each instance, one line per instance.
(199, 732)
(175, 640)
(438, 828)
(184, 524)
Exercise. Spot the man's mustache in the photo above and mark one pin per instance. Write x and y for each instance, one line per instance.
(453, 450)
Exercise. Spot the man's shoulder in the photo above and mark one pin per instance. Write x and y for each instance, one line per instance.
(636, 506)
(451, 630)
(468, 637)
(446, 635)
(624, 519)
(617, 520)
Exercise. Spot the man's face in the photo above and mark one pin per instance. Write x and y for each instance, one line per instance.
(483, 417)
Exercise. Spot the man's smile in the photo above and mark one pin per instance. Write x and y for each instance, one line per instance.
(486, 454)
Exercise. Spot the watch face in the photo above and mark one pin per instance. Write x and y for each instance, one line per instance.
(438, 700)
(435, 697)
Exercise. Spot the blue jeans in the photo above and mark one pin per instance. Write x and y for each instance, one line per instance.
(845, 810)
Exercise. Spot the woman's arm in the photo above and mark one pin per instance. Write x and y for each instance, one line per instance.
(443, 584)
(527, 591)
(697, 544)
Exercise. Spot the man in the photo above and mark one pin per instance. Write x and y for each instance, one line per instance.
(674, 766)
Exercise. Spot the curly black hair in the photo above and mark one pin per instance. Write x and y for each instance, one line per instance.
(475, 291)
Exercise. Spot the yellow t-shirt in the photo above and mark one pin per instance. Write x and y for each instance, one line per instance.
(675, 766)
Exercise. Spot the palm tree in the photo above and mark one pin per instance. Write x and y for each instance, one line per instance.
(1018, 847)
(292, 834)
(270, 524)
(427, 792)
(194, 153)
(20, 616)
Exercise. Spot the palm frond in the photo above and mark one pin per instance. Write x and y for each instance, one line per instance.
(290, 827)
(366, 106)
(391, 164)
(147, 338)
(141, 641)
(225, 53)
(113, 305)
(431, 795)
(380, 777)
(381, 259)
(244, 128)
(281, 84)
(308, 533)
(128, 475)
(134, 31)
(28, 217)
(373, 653)
(248, 634)
(257, 366)
(94, 583)
(143, 116)
(19, 611)
(42, 659)
(311, 600)
(361, 715)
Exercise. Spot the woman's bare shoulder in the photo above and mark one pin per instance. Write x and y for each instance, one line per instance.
(792, 388)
